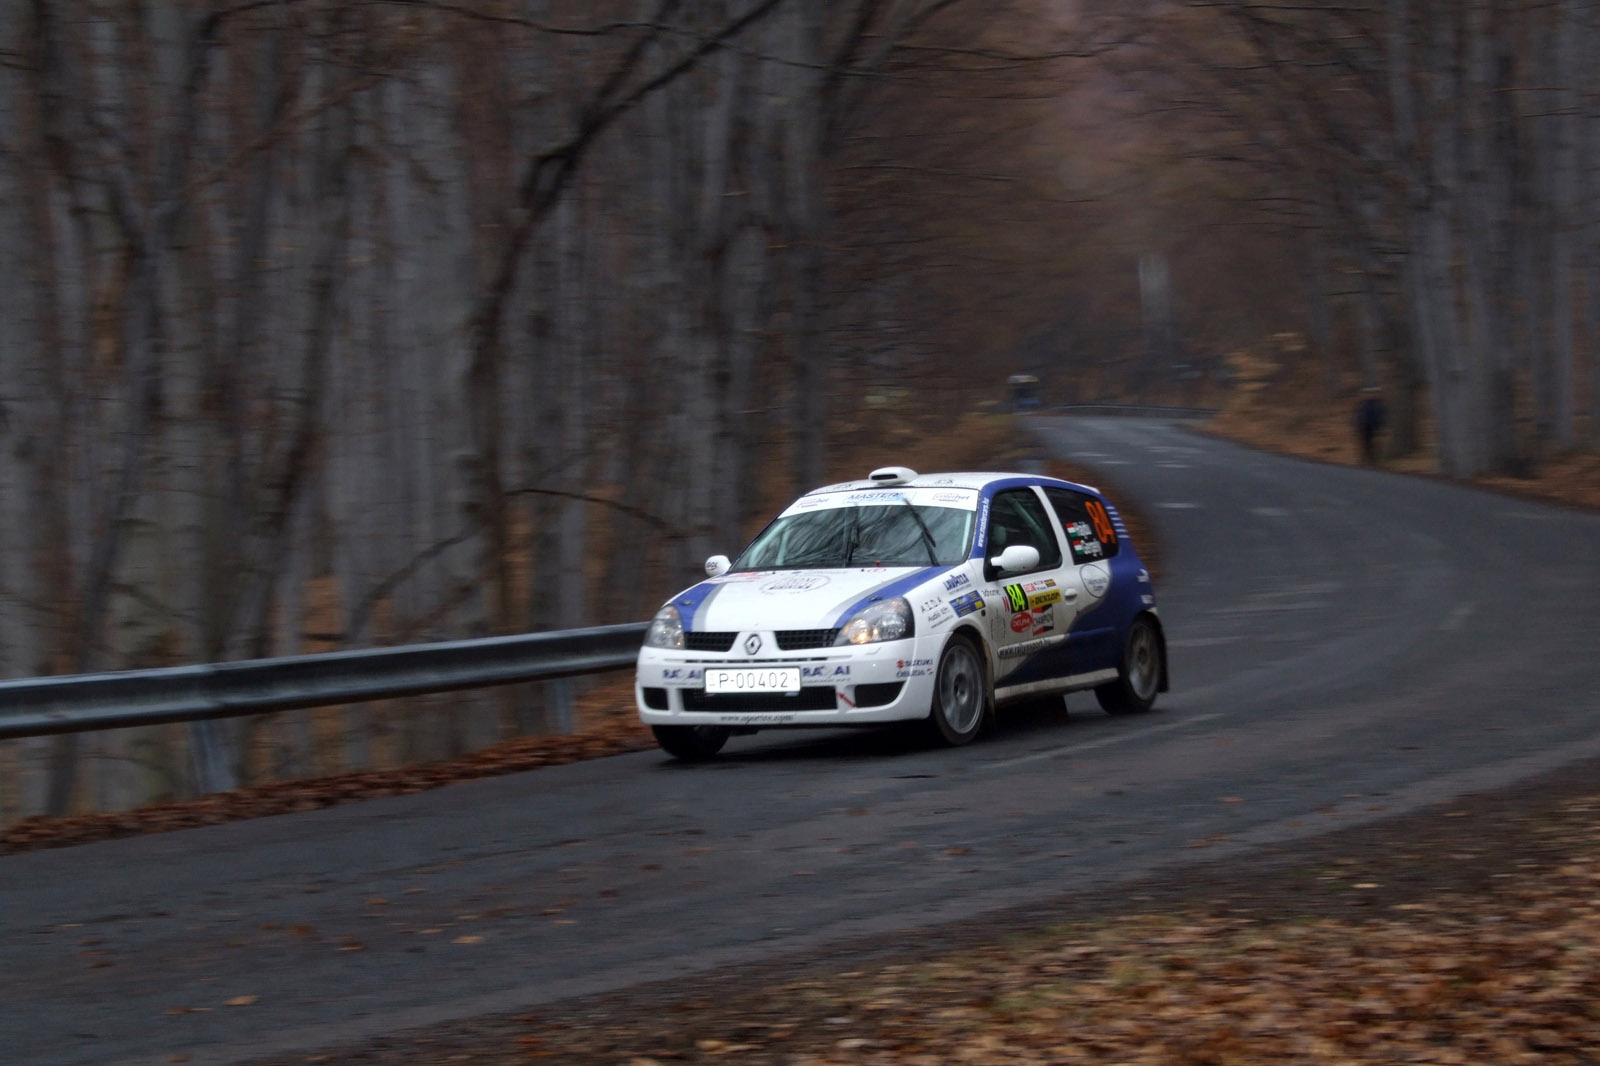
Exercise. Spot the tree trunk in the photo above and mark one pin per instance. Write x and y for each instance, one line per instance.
(805, 221)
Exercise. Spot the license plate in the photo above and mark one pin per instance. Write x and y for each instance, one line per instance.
(754, 679)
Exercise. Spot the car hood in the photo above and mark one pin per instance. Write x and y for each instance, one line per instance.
(793, 599)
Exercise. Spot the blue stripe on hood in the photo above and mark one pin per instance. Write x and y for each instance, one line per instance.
(893, 589)
(692, 599)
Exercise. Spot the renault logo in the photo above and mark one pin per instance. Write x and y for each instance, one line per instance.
(752, 644)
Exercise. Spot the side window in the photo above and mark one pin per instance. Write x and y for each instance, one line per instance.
(1017, 517)
(1090, 534)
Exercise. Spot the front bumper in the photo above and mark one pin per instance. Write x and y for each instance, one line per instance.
(849, 685)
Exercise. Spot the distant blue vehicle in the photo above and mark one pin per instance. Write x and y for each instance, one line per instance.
(936, 597)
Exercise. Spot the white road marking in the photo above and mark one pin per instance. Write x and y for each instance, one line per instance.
(1103, 742)
(1179, 506)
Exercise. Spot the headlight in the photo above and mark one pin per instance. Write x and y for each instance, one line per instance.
(666, 629)
(889, 620)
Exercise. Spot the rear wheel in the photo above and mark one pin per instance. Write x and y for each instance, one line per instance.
(1138, 675)
(960, 696)
(691, 743)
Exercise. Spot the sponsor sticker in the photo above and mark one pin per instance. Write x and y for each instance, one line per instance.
(796, 583)
(957, 580)
(1086, 549)
(1041, 593)
(913, 667)
(756, 719)
(938, 617)
(1026, 647)
(1037, 600)
(1021, 622)
(1016, 597)
(1096, 578)
(970, 603)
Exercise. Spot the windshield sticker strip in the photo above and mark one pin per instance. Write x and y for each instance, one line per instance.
(960, 499)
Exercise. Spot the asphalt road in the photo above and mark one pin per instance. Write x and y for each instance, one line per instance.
(1345, 644)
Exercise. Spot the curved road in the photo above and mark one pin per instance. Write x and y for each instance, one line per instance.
(1345, 644)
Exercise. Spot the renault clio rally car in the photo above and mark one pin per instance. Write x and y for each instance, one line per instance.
(907, 596)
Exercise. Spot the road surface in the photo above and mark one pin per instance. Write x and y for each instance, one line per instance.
(1345, 644)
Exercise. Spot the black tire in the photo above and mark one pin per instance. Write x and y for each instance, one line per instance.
(691, 743)
(1139, 673)
(960, 693)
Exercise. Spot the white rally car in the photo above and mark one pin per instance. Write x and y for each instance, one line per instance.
(906, 596)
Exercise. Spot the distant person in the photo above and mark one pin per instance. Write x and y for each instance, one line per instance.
(1024, 392)
(1370, 418)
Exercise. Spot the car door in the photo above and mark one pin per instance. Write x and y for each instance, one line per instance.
(1091, 545)
(1034, 609)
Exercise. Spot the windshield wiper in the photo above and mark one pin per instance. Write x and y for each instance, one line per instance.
(927, 535)
(855, 537)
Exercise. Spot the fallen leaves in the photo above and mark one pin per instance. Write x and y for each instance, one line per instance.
(611, 735)
(1508, 974)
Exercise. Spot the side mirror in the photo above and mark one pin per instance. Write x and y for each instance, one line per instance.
(1015, 559)
(718, 565)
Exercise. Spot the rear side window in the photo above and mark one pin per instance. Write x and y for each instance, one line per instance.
(1090, 534)
(1017, 517)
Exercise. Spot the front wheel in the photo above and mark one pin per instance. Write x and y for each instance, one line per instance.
(960, 697)
(1138, 675)
(691, 743)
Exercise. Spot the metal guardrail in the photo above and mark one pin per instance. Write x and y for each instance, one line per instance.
(42, 706)
(1134, 410)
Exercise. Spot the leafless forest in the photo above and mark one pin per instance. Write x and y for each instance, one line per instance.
(328, 323)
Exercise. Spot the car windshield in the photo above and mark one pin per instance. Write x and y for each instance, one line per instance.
(831, 538)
